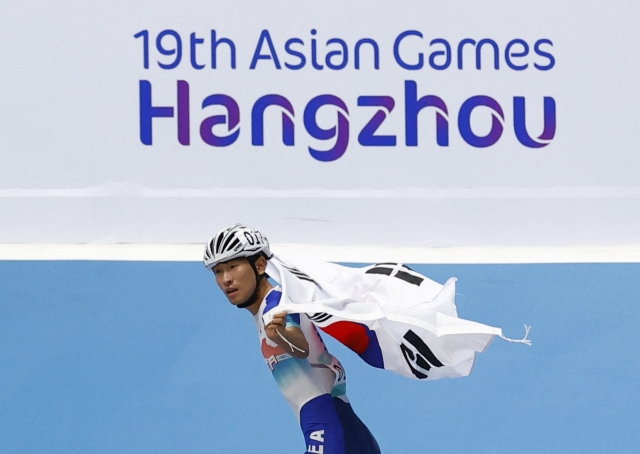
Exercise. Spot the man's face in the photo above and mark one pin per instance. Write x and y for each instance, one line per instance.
(236, 279)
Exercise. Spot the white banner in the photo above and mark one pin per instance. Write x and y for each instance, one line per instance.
(357, 123)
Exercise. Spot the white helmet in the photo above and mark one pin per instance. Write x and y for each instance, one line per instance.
(235, 242)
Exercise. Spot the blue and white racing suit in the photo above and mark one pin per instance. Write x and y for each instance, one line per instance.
(315, 388)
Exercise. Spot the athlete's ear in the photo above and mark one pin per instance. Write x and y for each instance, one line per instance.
(261, 264)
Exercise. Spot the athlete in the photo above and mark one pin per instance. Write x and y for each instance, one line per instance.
(311, 379)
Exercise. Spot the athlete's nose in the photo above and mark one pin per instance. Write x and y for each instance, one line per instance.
(227, 278)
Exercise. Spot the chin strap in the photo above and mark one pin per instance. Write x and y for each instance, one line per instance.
(254, 297)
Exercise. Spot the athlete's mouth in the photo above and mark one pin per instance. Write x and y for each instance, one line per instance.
(231, 291)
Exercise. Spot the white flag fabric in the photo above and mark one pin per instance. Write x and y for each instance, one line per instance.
(393, 317)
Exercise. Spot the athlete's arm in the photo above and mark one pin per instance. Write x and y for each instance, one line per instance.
(292, 334)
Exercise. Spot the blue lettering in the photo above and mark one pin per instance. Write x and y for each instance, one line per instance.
(295, 53)
(194, 43)
(175, 50)
(214, 50)
(148, 112)
(335, 53)
(145, 47)
(496, 53)
(446, 53)
(413, 106)
(552, 60)
(340, 131)
(257, 119)
(376, 52)
(520, 123)
(464, 121)
(367, 136)
(461, 45)
(232, 120)
(338, 134)
(314, 52)
(272, 55)
(508, 55)
(396, 51)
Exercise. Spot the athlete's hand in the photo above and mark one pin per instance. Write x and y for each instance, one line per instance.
(294, 341)
(278, 323)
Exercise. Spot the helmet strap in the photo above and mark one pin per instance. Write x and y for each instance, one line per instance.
(254, 297)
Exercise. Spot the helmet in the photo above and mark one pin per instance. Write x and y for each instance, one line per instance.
(235, 242)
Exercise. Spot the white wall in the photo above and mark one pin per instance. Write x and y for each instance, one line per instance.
(74, 167)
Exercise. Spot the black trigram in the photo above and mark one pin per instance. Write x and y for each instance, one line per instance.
(319, 317)
(419, 362)
(299, 274)
(339, 371)
(392, 269)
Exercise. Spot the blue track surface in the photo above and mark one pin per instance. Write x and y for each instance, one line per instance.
(144, 357)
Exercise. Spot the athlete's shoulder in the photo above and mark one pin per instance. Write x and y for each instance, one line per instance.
(272, 299)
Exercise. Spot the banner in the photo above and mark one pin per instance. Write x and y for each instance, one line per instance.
(361, 123)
